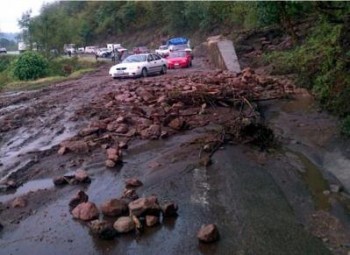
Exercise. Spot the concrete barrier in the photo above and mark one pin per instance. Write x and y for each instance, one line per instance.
(222, 54)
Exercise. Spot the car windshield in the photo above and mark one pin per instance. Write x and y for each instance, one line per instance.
(135, 58)
(177, 54)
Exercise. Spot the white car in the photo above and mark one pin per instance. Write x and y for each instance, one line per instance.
(139, 65)
(103, 52)
(163, 50)
(91, 49)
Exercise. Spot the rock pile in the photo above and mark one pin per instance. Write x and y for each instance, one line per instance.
(121, 215)
(151, 109)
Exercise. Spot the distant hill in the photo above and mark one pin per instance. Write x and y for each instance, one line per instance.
(9, 36)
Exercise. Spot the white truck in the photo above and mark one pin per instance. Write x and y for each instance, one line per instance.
(22, 47)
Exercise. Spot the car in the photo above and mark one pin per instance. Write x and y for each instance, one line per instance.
(3, 50)
(163, 50)
(179, 59)
(181, 47)
(91, 49)
(103, 52)
(81, 50)
(139, 65)
(140, 49)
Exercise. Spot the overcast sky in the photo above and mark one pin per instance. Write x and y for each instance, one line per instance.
(11, 11)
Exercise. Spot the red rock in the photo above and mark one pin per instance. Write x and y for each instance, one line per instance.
(19, 202)
(88, 131)
(153, 132)
(130, 194)
(122, 128)
(114, 207)
(85, 211)
(76, 146)
(122, 145)
(103, 229)
(151, 220)
(177, 123)
(82, 176)
(124, 225)
(80, 197)
(110, 163)
(62, 150)
(145, 205)
(120, 119)
(133, 182)
(208, 233)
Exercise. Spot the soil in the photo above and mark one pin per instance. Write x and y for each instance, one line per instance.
(264, 199)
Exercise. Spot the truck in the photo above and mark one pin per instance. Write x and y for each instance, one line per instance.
(22, 47)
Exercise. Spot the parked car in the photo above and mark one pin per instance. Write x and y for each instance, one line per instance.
(81, 50)
(139, 65)
(140, 50)
(3, 50)
(163, 50)
(103, 52)
(91, 49)
(179, 59)
(181, 47)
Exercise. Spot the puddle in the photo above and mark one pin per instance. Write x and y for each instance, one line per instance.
(30, 186)
(313, 179)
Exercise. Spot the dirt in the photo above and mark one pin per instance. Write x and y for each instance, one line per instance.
(259, 196)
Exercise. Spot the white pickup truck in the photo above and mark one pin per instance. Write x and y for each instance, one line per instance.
(163, 50)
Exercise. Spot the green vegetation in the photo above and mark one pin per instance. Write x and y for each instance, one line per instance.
(30, 66)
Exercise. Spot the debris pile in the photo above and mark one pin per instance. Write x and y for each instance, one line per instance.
(156, 109)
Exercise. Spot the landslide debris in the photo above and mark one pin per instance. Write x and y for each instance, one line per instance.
(157, 108)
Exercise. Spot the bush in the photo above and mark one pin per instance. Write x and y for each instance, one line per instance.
(30, 66)
(345, 126)
(5, 61)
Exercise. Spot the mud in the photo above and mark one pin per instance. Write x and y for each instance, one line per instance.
(263, 202)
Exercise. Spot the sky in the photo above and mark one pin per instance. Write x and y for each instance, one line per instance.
(11, 11)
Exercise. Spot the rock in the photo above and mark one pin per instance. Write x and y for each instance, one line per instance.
(102, 229)
(11, 184)
(114, 207)
(130, 194)
(82, 176)
(133, 182)
(88, 131)
(169, 209)
(76, 146)
(122, 145)
(85, 211)
(62, 150)
(124, 225)
(122, 128)
(152, 132)
(59, 180)
(114, 154)
(80, 197)
(145, 206)
(120, 119)
(335, 188)
(177, 123)
(110, 163)
(208, 233)
(151, 220)
(19, 202)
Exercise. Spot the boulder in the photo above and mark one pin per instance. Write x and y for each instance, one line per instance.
(114, 207)
(85, 211)
(82, 176)
(103, 229)
(76, 146)
(152, 132)
(60, 180)
(208, 233)
(19, 202)
(151, 220)
(144, 206)
(130, 194)
(124, 225)
(110, 163)
(80, 197)
(177, 123)
(169, 209)
(133, 182)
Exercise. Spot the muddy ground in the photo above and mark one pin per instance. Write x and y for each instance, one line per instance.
(272, 199)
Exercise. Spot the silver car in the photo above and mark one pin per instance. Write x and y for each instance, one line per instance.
(139, 65)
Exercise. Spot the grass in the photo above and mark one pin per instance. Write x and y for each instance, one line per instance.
(44, 82)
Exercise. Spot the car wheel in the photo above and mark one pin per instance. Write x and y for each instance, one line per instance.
(164, 69)
(144, 72)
